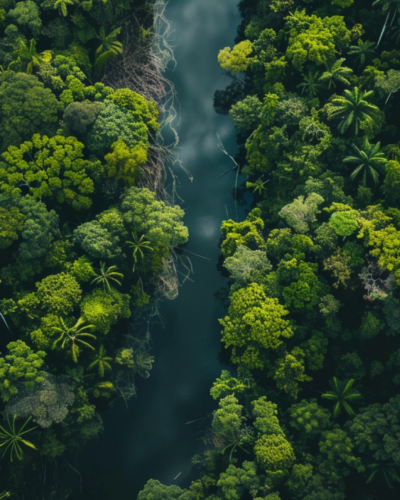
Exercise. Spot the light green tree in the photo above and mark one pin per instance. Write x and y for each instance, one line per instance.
(138, 246)
(254, 324)
(237, 59)
(108, 49)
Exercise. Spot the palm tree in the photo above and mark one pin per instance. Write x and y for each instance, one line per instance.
(342, 394)
(101, 362)
(29, 54)
(62, 6)
(363, 51)
(258, 185)
(385, 470)
(106, 275)
(353, 108)
(310, 83)
(368, 159)
(109, 47)
(138, 247)
(69, 336)
(12, 439)
(336, 73)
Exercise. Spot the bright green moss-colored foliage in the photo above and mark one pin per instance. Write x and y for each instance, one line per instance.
(57, 169)
(254, 324)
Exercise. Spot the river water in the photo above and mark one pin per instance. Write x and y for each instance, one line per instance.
(150, 439)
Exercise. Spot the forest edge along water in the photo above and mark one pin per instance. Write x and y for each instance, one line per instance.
(152, 439)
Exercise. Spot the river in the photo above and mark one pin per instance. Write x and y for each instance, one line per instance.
(150, 439)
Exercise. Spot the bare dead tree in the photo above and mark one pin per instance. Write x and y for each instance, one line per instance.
(375, 284)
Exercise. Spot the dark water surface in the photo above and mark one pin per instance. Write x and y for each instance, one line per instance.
(150, 439)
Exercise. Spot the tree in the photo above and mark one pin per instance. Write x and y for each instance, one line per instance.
(234, 481)
(11, 225)
(369, 159)
(353, 109)
(27, 108)
(389, 6)
(97, 241)
(50, 168)
(290, 370)
(161, 224)
(246, 114)
(103, 310)
(265, 414)
(124, 163)
(237, 59)
(362, 51)
(301, 213)
(47, 403)
(61, 5)
(138, 245)
(30, 55)
(275, 455)
(247, 266)
(255, 323)
(339, 266)
(101, 362)
(80, 116)
(21, 364)
(106, 275)
(246, 233)
(342, 394)
(27, 15)
(309, 418)
(336, 73)
(138, 107)
(344, 222)
(388, 84)
(113, 124)
(154, 490)
(337, 449)
(71, 335)
(391, 184)
(12, 439)
(59, 293)
(108, 49)
(310, 83)
(386, 471)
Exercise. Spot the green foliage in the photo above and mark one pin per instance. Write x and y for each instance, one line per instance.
(254, 324)
(369, 159)
(101, 362)
(309, 418)
(57, 169)
(26, 15)
(236, 59)
(59, 293)
(343, 395)
(27, 108)
(106, 275)
(246, 114)
(274, 454)
(72, 335)
(102, 309)
(247, 233)
(11, 225)
(354, 109)
(247, 266)
(20, 364)
(138, 107)
(344, 223)
(124, 163)
(301, 214)
(290, 371)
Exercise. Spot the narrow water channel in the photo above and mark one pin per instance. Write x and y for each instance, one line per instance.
(150, 439)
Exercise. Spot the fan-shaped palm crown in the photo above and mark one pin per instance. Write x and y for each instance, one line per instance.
(369, 158)
(362, 51)
(30, 55)
(336, 73)
(353, 109)
(343, 394)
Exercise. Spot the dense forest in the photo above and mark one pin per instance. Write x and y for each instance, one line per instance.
(308, 405)
(87, 232)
